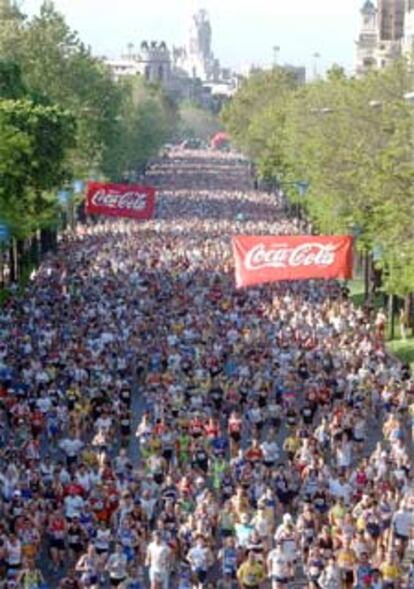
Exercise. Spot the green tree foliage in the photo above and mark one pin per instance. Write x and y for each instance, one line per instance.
(260, 101)
(63, 116)
(34, 140)
(146, 121)
(57, 65)
(11, 83)
(353, 141)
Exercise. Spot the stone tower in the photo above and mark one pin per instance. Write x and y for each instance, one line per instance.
(155, 61)
(201, 35)
(367, 42)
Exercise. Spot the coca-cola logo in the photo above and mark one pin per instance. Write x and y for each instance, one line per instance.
(285, 256)
(136, 201)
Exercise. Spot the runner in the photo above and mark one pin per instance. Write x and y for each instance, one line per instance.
(273, 429)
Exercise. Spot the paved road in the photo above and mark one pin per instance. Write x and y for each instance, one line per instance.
(183, 181)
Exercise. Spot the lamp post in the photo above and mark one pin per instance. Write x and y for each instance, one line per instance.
(276, 51)
(356, 232)
(316, 57)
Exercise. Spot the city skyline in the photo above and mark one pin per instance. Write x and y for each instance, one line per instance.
(300, 29)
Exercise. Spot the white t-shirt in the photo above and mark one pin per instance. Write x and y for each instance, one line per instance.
(198, 557)
(71, 446)
(270, 451)
(158, 556)
(278, 564)
(117, 566)
(73, 506)
(14, 553)
(403, 521)
(103, 539)
(104, 423)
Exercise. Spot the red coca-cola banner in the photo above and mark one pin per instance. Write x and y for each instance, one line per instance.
(120, 200)
(270, 259)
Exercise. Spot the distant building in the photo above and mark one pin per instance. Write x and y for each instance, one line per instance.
(197, 58)
(153, 62)
(408, 41)
(188, 72)
(367, 42)
(391, 19)
(386, 32)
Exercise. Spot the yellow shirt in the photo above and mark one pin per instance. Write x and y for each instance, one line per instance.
(251, 575)
(155, 445)
(346, 559)
(291, 444)
(338, 513)
(89, 458)
(390, 571)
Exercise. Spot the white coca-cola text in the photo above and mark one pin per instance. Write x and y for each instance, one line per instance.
(136, 201)
(285, 256)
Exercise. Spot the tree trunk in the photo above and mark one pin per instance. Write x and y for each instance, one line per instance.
(2, 278)
(34, 250)
(409, 310)
(13, 262)
(367, 274)
(391, 316)
(81, 213)
(48, 240)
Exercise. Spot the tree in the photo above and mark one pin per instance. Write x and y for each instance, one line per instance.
(242, 116)
(34, 141)
(57, 65)
(11, 83)
(146, 121)
(353, 141)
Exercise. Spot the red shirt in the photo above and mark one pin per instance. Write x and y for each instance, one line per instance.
(196, 426)
(254, 454)
(212, 430)
(75, 489)
(37, 419)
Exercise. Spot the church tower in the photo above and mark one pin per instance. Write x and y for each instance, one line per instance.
(367, 42)
(199, 50)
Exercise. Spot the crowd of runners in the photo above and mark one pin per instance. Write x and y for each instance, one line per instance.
(161, 429)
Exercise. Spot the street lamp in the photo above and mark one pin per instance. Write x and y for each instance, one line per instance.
(276, 50)
(316, 57)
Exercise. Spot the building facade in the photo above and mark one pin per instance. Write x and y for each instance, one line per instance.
(153, 62)
(408, 42)
(391, 14)
(188, 72)
(386, 33)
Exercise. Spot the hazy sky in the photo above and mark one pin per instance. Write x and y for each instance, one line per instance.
(244, 31)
